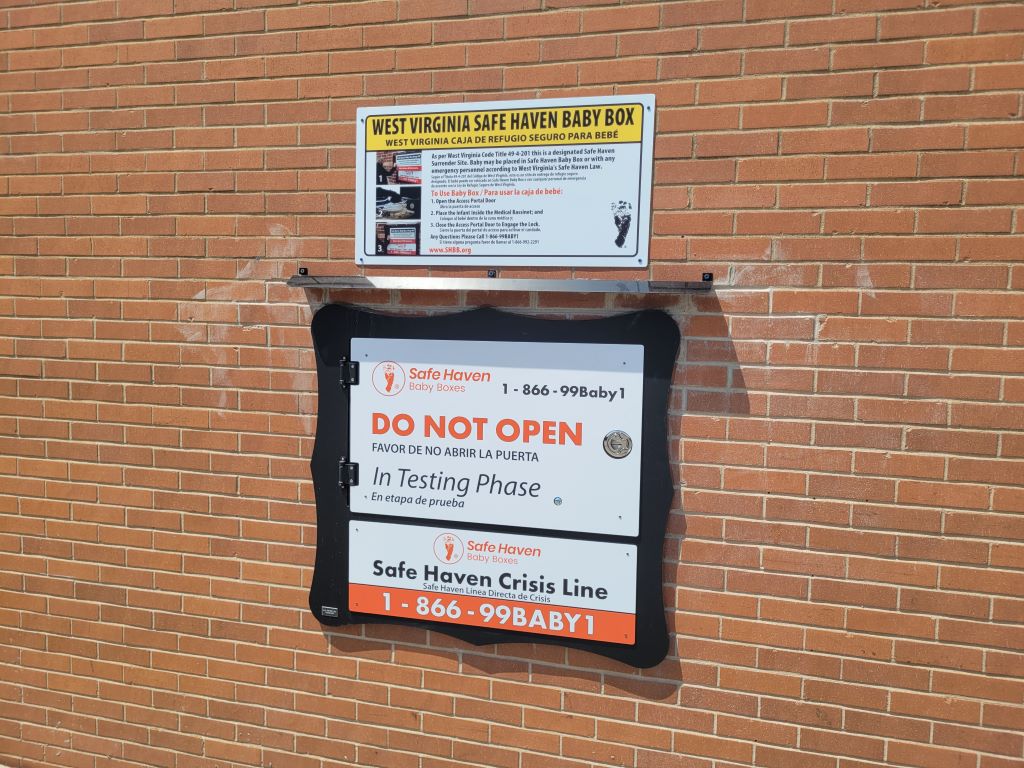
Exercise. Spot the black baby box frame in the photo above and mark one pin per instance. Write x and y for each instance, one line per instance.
(333, 328)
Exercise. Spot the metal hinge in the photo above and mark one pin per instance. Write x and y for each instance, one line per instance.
(349, 372)
(348, 474)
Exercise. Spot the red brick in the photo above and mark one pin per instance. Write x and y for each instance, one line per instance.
(731, 91)
(700, 65)
(618, 19)
(702, 12)
(831, 30)
(880, 110)
(839, 85)
(845, 419)
(1000, 19)
(973, 49)
(746, 36)
(730, 145)
(784, 116)
(934, 79)
(879, 55)
(994, 135)
(780, 169)
(542, 76)
(967, 220)
(998, 76)
(930, 23)
(797, 60)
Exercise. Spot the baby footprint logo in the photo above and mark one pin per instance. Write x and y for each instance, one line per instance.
(448, 548)
(622, 215)
(388, 378)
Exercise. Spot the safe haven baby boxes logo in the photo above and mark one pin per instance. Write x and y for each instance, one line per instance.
(389, 378)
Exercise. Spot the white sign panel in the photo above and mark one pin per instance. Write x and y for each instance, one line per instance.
(546, 585)
(525, 434)
(548, 182)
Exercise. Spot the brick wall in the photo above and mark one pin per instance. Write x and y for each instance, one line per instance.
(844, 568)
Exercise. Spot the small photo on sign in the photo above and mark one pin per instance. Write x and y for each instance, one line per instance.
(395, 202)
(387, 168)
(410, 167)
(398, 239)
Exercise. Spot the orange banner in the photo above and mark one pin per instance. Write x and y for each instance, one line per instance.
(493, 613)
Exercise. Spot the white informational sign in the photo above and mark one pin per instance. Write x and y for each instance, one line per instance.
(540, 584)
(547, 182)
(525, 434)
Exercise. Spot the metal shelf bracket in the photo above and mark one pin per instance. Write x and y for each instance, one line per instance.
(582, 285)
